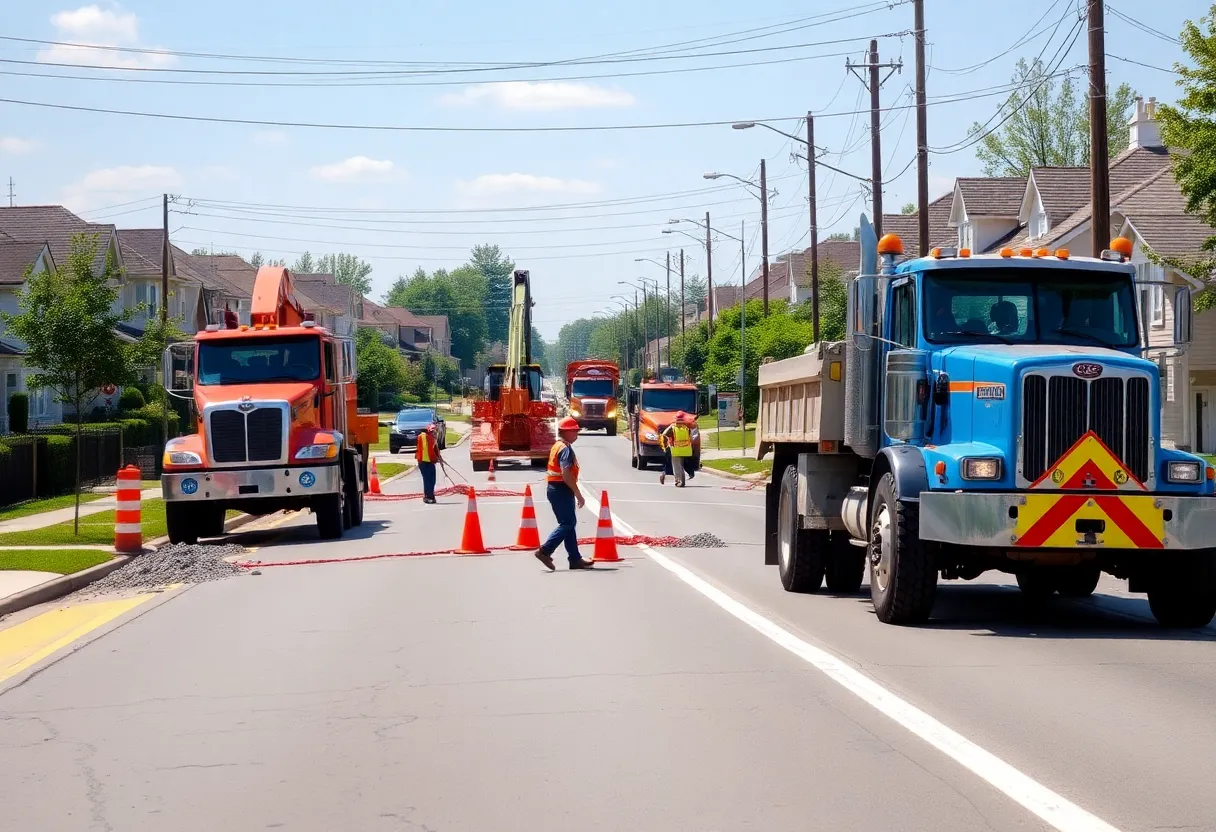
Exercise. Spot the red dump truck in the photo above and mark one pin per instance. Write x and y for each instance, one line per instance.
(591, 389)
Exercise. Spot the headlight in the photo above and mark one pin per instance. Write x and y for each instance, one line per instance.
(1184, 472)
(651, 435)
(182, 458)
(574, 412)
(326, 451)
(982, 468)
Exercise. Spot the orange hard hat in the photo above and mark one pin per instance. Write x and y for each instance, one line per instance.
(430, 428)
(569, 423)
(681, 415)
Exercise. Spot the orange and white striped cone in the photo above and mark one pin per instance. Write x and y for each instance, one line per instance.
(374, 475)
(470, 538)
(529, 535)
(490, 478)
(605, 535)
(128, 531)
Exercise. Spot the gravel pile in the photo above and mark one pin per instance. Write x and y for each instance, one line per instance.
(704, 540)
(177, 563)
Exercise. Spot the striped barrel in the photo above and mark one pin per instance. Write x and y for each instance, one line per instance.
(128, 533)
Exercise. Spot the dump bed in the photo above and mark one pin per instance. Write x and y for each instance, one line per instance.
(802, 398)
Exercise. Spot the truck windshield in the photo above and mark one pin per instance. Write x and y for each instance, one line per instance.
(533, 378)
(1029, 306)
(258, 360)
(592, 387)
(670, 400)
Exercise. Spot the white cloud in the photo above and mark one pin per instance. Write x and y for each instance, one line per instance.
(112, 185)
(270, 138)
(89, 29)
(494, 185)
(357, 169)
(14, 146)
(540, 95)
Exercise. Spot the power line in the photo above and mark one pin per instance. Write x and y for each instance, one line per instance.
(1143, 27)
(1143, 64)
(1030, 35)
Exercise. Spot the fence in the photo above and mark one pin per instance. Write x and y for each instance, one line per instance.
(43, 464)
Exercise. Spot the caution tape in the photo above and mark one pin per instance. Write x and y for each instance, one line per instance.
(749, 487)
(448, 491)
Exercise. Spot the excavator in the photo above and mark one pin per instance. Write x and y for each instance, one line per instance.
(513, 422)
(277, 420)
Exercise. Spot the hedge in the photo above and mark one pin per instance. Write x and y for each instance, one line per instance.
(131, 399)
(60, 464)
(18, 413)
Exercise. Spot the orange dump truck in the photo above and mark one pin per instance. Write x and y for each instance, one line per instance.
(591, 388)
(652, 407)
(277, 420)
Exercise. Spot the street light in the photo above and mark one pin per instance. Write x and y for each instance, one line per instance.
(645, 323)
(624, 300)
(763, 195)
(667, 268)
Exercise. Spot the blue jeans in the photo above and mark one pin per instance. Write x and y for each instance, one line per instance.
(561, 500)
(427, 469)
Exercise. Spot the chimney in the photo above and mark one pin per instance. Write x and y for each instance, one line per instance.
(1144, 131)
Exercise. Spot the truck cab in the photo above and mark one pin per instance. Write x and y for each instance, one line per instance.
(652, 408)
(591, 392)
(988, 412)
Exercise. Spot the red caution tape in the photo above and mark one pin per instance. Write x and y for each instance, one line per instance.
(749, 487)
(461, 489)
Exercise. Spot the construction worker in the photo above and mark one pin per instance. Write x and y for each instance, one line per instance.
(564, 497)
(678, 438)
(427, 456)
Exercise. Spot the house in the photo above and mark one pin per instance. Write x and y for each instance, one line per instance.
(907, 226)
(226, 280)
(440, 333)
(142, 254)
(985, 212)
(843, 256)
(332, 304)
(15, 258)
(409, 332)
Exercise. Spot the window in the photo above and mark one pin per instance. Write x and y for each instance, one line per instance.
(254, 361)
(242, 310)
(1151, 278)
(40, 403)
(147, 295)
(966, 235)
(663, 400)
(592, 387)
(903, 314)
(331, 363)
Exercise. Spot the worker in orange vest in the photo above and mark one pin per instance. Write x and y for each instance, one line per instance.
(564, 498)
(427, 456)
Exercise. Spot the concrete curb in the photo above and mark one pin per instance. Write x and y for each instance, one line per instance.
(758, 477)
(59, 587)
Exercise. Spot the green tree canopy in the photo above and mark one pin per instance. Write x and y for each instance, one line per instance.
(382, 370)
(497, 271)
(348, 270)
(1048, 124)
(459, 294)
(305, 264)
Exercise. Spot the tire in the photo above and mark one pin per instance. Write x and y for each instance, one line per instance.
(633, 458)
(540, 462)
(481, 465)
(1078, 581)
(180, 522)
(1183, 595)
(802, 554)
(328, 509)
(211, 520)
(846, 565)
(1038, 583)
(353, 505)
(611, 429)
(903, 571)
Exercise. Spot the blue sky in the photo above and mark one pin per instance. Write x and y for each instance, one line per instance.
(408, 199)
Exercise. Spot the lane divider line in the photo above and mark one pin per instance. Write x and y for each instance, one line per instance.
(1041, 801)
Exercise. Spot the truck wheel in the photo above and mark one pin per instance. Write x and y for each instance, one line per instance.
(1078, 581)
(481, 465)
(540, 462)
(354, 502)
(211, 521)
(328, 509)
(179, 522)
(633, 458)
(1184, 592)
(611, 429)
(846, 565)
(1038, 583)
(801, 553)
(903, 574)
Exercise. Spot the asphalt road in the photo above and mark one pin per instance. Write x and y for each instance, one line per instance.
(484, 693)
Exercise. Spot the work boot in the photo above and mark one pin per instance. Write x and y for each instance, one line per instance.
(662, 479)
(581, 564)
(546, 559)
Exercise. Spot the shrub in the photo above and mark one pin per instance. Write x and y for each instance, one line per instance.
(60, 464)
(19, 413)
(131, 399)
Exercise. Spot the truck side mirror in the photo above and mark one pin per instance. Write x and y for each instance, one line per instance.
(1182, 316)
(178, 369)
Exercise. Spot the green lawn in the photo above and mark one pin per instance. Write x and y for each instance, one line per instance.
(382, 442)
(1210, 459)
(94, 529)
(63, 561)
(47, 504)
(742, 465)
(391, 469)
(729, 439)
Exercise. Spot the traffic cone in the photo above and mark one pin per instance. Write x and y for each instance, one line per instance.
(470, 539)
(374, 486)
(491, 477)
(529, 537)
(605, 535)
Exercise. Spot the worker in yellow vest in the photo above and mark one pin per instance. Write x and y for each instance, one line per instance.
(678, 437)
(427, 457)
(564, 498)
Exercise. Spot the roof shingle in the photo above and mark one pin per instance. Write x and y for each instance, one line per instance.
(992, 197)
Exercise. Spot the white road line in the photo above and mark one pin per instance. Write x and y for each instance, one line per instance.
(1052, 808)
(687, 503)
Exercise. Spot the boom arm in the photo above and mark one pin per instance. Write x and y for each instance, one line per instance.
(274, 302)
(519, 341)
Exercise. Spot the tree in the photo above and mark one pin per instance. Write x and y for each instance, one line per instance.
(207, 252)
(833, 302)
(846, 236)
(1048, 124)
(1190, 126)
(460, 295)
(348, 270)
(381, 368)
(695, 290)
(909, 208)
(147, 352)
(257, 260)
(540, 352)
(497, 270)
(305, 264)
(68, 324)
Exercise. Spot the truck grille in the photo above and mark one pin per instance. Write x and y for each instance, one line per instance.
(256, 436)
(1058, 410)
(593, 408)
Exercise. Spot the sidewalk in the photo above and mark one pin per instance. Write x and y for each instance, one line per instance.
(60, 515)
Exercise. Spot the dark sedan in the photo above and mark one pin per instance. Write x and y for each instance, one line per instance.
(410, 423)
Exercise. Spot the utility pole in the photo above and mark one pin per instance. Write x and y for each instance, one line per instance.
(922, 130)
(1099, 145)
(683, 344)
(11, 196)
(164, 265)
(810, 164)
(709, 276)
(668, 327)
(874, 84)
(743, 314)
(764, 229)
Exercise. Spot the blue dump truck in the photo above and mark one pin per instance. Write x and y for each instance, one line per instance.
(985, 412)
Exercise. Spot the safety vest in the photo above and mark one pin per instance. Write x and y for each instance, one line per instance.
(681, 440)
(427, 450)
(555, 467)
